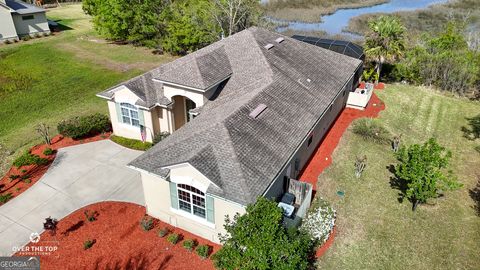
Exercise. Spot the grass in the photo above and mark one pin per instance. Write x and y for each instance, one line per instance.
(431, 20)
(53, 78)
(311, 10)
(375, 230)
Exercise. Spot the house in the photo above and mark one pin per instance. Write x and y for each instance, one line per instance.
(245, 114)
(19, 19)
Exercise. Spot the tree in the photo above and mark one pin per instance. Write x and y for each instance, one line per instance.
(258, 240)
(385, 40)
(135, 21)
(233, 16)
(190, 26)
(422, 168)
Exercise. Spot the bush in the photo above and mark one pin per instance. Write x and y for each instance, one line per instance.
(160, 136)
(29, 159)
(173, 238)
(203, 251)
(37, 35)
(85, 126)
(91, 216)
(477, 148)
(131, 143)
(14, 177)
(26, 38)
(371, 130)
(7, 41)
(162, 232)
(146, 223)
(189, 244)
(5, 197)
(48, 151)
(319, 222)
(88, 244)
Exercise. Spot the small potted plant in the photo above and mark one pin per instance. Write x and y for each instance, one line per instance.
(189, 244)
(203, 251)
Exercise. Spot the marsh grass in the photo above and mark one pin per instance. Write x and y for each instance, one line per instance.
(311, 10)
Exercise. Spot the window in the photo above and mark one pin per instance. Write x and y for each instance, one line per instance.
(191, 200)
(28, 17)
(129, 114)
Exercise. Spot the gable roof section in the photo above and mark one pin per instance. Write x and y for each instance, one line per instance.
(242, 156)
(197, 70)
(21, 7)
(149, 92)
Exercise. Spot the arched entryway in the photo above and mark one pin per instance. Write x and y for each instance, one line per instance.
(182, 106)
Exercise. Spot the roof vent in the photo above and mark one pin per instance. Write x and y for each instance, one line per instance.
(308, 80)
(269, 46)
(279, 40)
(257, 111)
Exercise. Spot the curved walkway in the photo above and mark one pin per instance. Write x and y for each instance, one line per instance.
(79, 176)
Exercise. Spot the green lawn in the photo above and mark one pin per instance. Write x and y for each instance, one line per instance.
(53, 78)
(375, 230)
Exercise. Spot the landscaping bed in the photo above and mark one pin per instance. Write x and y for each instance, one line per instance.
(19, 179)
(117, 241)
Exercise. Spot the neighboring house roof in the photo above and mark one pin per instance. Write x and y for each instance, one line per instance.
(344, 47)
(241, 155)
(21, 7)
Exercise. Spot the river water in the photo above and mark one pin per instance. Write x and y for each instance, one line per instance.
(335, 23)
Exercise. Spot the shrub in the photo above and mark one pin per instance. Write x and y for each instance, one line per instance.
(162, 232)
(26, 38)
(146, 223)
(5, 197)
(7, 41)
(422, 172)
(160, 136)
(203, 251)
(173, 238)
(189, 244)
(88, 244)
(371, 130)
(14, 177)
(27, 181)
(48, 151)
(91, 216)
(477, 148)
(131, 143)
(37, 35)
(85, 126)
(29, 159)
(319, 222)
(26, 178)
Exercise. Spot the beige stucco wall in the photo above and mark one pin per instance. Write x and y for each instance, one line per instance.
(36, 25)
(157, 199)
(7, 27)
(126, 130)
(195, 96)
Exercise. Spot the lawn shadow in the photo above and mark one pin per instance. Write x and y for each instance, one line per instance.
(472, 132)
(58, 26)
(475, 195)
(397, 183)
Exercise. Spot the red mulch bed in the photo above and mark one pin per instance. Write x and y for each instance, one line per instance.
(120, 242)
(322, 158)
(35, 172)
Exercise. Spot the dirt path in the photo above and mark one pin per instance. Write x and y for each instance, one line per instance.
(104, 61)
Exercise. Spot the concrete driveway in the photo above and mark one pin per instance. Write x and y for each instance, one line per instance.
(79, 176)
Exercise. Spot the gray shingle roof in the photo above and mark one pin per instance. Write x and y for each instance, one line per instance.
(21, 7)
(197, 70)
(241, 155)
(150, 92)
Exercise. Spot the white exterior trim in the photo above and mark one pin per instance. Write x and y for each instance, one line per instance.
(192, 217)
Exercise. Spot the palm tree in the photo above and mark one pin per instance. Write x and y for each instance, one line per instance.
(385, 41)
